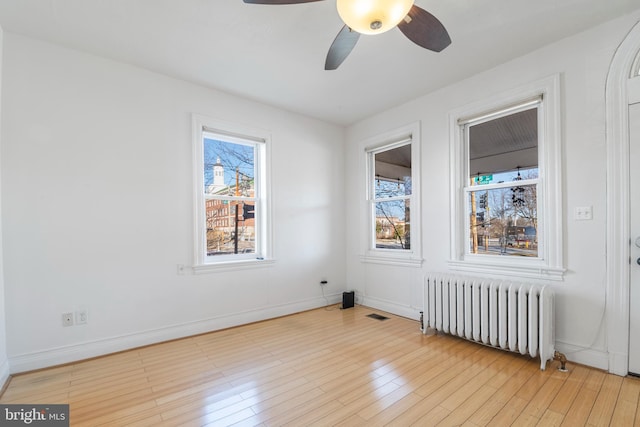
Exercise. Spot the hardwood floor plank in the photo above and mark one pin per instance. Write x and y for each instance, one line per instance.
(229, 419)
(627, 403)
(595, 379)
(551, 419)
(313, 415)
(353, 421)
(624, 413)
(375, 408)
(279, 413)
(505, 391)
(605, 402)
(546, 394)
(98, 407)
(289, 398)
(125, 416)
(470, 405)
(387, 415)
(433, 417)
(354, 405)
(509, 412)
(416, 411)
(569, 390)
(201, 414)
(580, 409)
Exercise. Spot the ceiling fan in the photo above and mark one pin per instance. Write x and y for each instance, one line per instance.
(375, 17)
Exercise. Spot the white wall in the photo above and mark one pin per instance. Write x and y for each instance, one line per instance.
(582, 62)
(97, 208)
(4, 361)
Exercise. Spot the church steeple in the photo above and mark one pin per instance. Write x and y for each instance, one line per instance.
(218, 174)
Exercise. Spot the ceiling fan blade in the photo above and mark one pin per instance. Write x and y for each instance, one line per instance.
(424, 29)
(279, 1)
(341, 47)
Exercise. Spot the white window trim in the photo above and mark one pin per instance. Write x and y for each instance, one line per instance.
(264, 254)
(407, 258)
(550, 264)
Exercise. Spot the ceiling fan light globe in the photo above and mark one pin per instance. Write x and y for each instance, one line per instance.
(373, 16)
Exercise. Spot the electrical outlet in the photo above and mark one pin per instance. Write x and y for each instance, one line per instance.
(82, 317)
(67, 319)
(583, 213)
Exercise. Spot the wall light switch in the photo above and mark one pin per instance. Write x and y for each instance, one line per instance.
(583, 213)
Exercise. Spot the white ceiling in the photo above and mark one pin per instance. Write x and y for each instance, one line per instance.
(276, 54)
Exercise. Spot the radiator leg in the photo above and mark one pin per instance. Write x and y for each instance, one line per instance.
(563, 361)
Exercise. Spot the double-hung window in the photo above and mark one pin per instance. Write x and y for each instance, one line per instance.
(506, 188)
(393, 198)
(502, 186)
(231, 205)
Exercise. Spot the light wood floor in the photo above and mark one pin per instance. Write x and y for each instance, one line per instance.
(324, 368)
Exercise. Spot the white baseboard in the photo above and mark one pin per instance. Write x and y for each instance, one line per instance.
(618, 363)
(89, 349)
(390, 307)
(585, 356)
(4, 373)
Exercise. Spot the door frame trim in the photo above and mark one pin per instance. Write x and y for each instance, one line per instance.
(618, 193)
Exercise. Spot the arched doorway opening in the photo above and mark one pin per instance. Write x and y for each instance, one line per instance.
(622, 91)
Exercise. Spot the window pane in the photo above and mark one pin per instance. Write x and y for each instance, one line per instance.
(230, 227)
(499, 149)
(229, 168)
(392, 224)
(504, 221)
(393, 172)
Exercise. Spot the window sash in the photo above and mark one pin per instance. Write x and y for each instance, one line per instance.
(230, 198)
(469, 215)
(476, 119)
(390, 199)
(406, 225)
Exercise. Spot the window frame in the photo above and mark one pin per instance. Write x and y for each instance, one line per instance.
(406, 135)
(260, 141)
(549, 262)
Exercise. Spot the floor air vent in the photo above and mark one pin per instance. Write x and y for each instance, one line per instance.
(377, 316)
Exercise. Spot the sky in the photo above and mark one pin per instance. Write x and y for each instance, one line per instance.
(231, 155)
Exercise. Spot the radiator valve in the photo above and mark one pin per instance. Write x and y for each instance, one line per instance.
(563, 361)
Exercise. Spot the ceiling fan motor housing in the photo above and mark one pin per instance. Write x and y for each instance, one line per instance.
(373, 16)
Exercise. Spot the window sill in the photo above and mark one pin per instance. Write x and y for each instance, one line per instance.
(388, 260)
(527, 271)
(232, 265)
